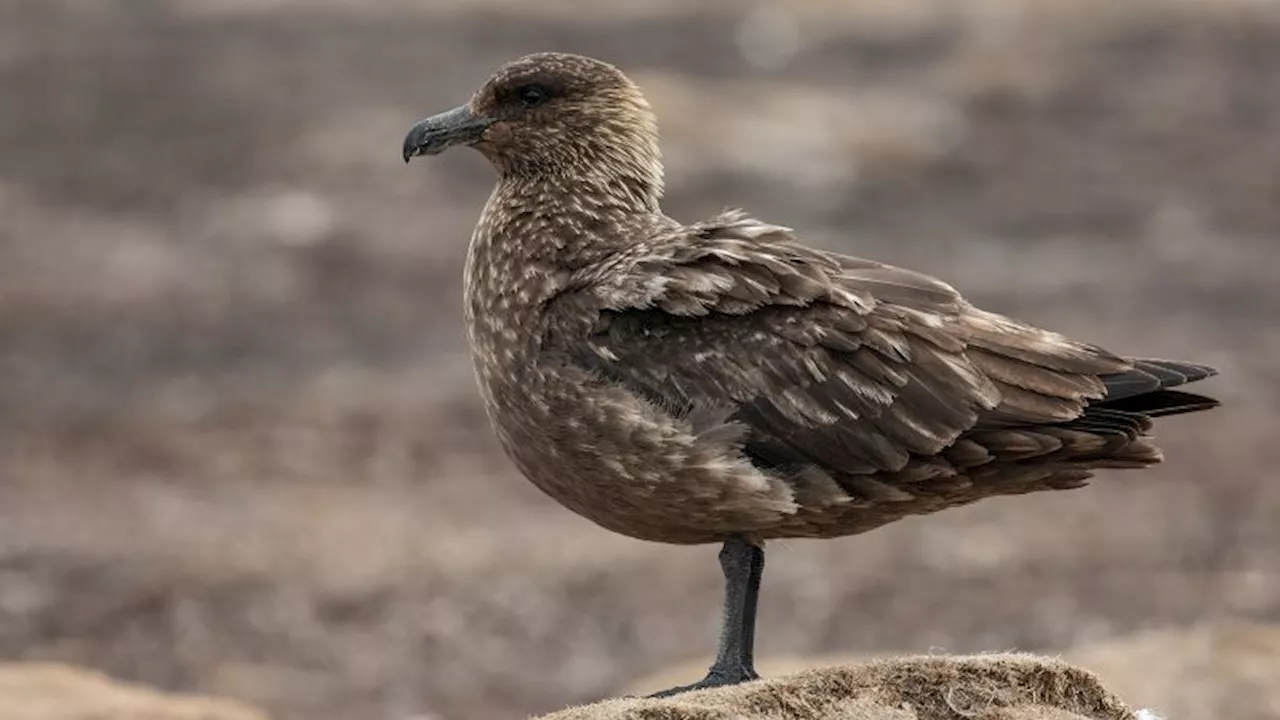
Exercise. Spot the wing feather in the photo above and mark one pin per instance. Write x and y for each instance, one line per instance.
(846, 364)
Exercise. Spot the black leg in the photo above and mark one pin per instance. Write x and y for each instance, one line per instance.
(743, 564)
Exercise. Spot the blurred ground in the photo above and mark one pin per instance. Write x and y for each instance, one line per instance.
(49, 691)
(241, 451)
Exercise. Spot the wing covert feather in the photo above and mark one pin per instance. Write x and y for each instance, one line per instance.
(829, 360)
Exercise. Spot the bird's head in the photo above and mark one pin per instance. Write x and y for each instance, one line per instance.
(552, 115)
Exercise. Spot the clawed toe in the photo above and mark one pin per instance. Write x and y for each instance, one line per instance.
(716, 678)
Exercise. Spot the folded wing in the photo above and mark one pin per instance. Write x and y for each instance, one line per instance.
(847, 364)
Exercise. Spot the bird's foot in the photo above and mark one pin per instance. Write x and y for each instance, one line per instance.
(717, 677)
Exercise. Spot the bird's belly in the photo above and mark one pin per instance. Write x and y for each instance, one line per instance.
(625, 464)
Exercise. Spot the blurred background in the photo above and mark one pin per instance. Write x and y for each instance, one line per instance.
(242, 452)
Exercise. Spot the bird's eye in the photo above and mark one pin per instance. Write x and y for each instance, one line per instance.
(533, 95)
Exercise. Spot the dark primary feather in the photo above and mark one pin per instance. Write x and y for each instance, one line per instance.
(1150, 375)
(861, 368)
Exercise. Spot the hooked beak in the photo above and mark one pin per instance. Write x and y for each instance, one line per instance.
(437, 133)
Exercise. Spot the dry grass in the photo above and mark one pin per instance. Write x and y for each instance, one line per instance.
(240, 447)
(988, 687)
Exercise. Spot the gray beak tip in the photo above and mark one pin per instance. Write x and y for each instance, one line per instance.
(437, 133)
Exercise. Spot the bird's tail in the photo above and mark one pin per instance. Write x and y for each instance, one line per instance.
(1144, 389)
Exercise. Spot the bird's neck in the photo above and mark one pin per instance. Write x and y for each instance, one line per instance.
(563, 223)
(626, 186)
(532, 237)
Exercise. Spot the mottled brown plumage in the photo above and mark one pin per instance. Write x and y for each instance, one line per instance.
(699, 383)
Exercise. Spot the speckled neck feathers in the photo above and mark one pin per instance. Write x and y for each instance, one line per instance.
(536, 232)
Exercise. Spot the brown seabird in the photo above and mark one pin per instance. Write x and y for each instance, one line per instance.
(720, 381)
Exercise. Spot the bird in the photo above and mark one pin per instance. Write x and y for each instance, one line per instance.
(723, 382)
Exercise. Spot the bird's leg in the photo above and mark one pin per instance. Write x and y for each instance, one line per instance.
(743, 564)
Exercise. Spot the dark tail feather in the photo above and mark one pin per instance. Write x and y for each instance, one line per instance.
(1107, 420)
(1144, 388)
(1163, 402)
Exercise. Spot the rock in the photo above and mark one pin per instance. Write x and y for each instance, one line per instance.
(986, 687)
